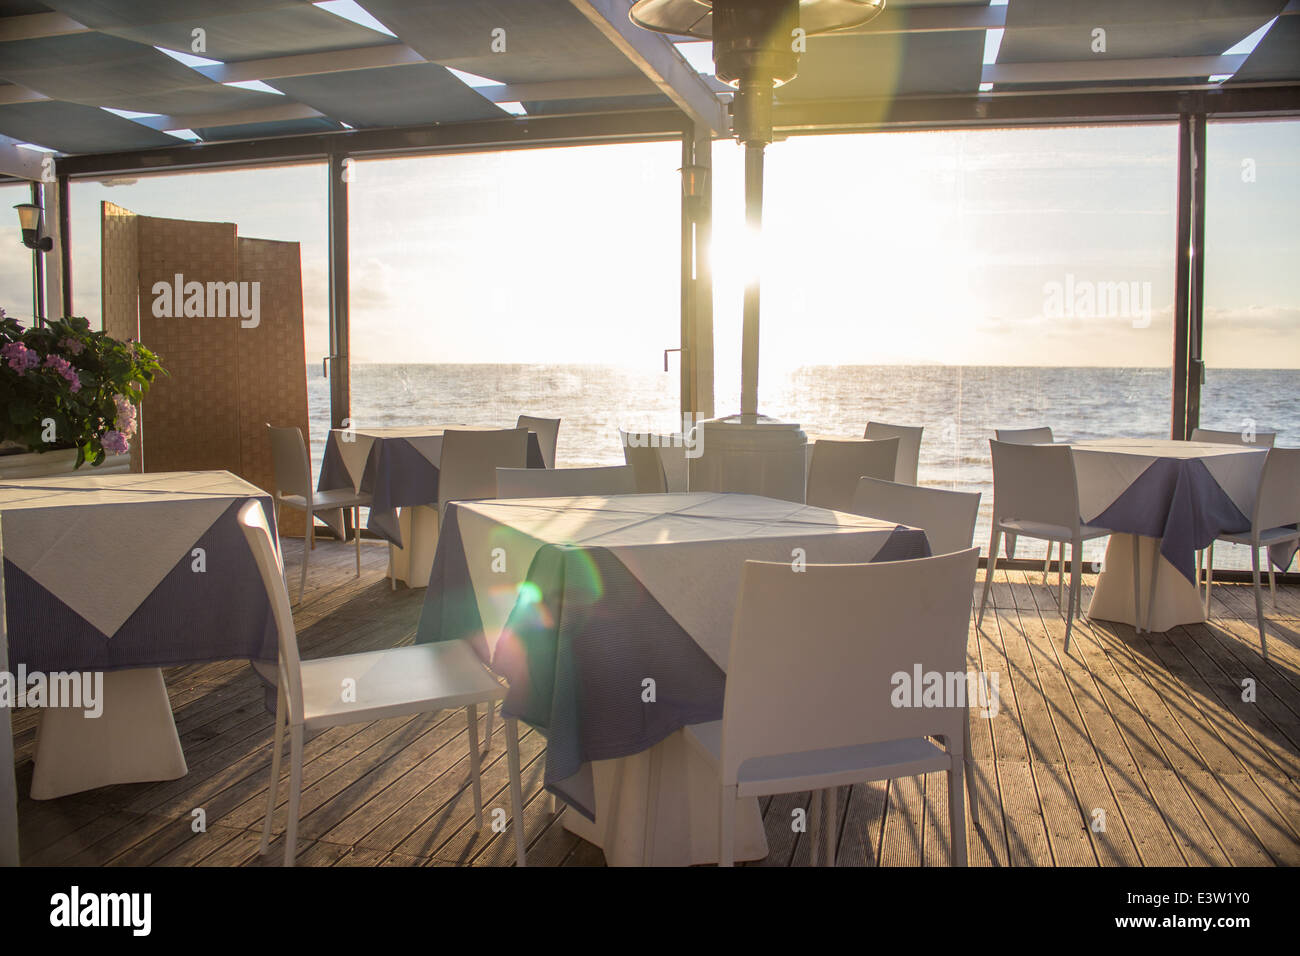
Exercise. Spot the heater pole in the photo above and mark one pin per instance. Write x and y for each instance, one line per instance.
(754, 224)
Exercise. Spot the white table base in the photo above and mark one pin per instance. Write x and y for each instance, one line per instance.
(413, 563)
(133, 741)
(686, 827)
(1176, 601)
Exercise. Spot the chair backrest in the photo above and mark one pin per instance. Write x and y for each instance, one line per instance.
(257, 532)
(565, 482)
(1035, 483)
(290, 462)
(947, 517)
(1025, 436)
(819, 659)
(837, 464)
(1278, 501)
(467, 469)
(548, 435)
(909, 448)
(1262, 439)
(646, 462)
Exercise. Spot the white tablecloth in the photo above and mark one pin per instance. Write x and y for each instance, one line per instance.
(126, 573)
(579, 600)
(1157, 491)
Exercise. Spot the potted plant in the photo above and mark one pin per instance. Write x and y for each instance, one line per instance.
(69, 390)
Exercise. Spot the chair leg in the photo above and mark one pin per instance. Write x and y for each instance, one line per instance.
(988, 572)
(970, 771)
(1259, 598)
(392, 577)
(1272, 585)
(1047, 565)
(295, 795)
(277, 748)
(487, 733)
(957, 810)
(1076, 577)
(1060, 572)
(727, 827)
(516, 788)
(311, 529)
(302, 582)
(356, 535)
(815, 828)
(1137, 584)
(829, 821)
(476, 784)
(1209, 577)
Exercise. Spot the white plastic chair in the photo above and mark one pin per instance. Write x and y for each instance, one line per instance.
(1275, 521)
(909, 448)
(947, 517)
(467, 469)
(548, 435)
(837, 464)
(646, 462)
(820, 711)
(423, 678)
(293, 487)
(1036, 494)
(1217, 437)
(565, 482)
(1035, 436)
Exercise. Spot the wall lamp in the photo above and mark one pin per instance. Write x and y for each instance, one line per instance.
(29, 217)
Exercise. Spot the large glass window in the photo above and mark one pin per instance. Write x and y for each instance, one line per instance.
(1251, 339)
(15, 258)
(541, 282)
(961, 280)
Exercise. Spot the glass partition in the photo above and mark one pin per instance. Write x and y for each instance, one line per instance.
(1251, 338)
(541, 282)
(960, 280)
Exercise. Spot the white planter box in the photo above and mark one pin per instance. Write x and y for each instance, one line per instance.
(33, 465)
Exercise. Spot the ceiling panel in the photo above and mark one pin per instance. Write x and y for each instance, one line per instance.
(850, 66)
(1055, 30)
(235, 29)
(394, 96)
(545, 39)
(71, 128)
(1277, 57)
(91, 68)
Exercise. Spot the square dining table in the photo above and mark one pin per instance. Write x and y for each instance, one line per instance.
(399, 467)
(126, 574)
(611, 618)
(1174, 497)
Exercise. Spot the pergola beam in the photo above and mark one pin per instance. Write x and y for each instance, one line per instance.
(1102, 70)
(939, 19)
(310, 64)
(36, 26)
(264, 114)
(656, 57)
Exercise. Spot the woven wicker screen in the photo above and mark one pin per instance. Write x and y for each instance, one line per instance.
(225, 381)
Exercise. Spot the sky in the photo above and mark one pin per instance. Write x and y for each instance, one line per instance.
(955, 247)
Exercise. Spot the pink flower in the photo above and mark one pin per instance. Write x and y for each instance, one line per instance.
(72, 345)
(20, 357)
(64, 368)
(114, 443)
(125, 415)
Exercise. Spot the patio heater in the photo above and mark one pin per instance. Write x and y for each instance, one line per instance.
(756, 48)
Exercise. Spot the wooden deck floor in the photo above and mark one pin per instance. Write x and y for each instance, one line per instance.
(1136, 750)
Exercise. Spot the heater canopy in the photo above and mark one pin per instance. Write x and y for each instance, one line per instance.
(695, 17)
